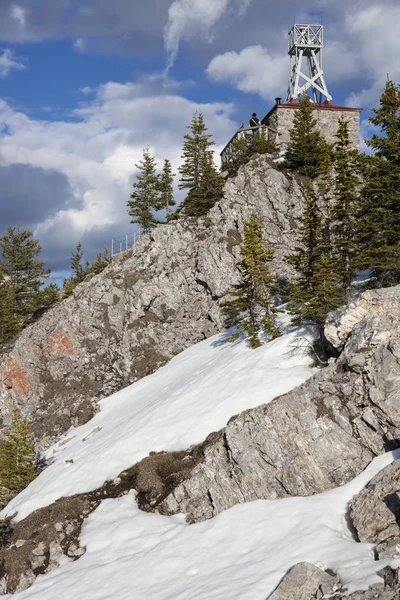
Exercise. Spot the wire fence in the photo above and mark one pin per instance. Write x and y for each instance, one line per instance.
(124, 242)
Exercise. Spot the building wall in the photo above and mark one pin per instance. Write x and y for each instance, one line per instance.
(281, 119)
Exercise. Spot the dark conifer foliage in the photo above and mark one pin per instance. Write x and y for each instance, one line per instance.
(145, 196)
(200, 199)
(165, 188)
(345, 195)
(198, 172)
(77, 269)
(196, 147)
(246, 146)
(251, 307)
(10, 323)
(25, 273)
(310, 248)
(378, 218)
(305, 149)
(17, 459)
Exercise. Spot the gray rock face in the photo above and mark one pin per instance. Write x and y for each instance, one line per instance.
(319, 436)
(148, 305)
(305, 581)
(375, 511)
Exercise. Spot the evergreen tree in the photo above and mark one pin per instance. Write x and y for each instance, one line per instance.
(199, 200)
(77, 270)
(345, 195)
(323, 296)
(9, 322)
(145, 197)
(195, 149)
(304, 151)
(251, 307)
(101, 262)
(325, 185)
(165, 188)
(23, 271)
(17, 459)
(246, 146)
(307, 254)
(378, 218)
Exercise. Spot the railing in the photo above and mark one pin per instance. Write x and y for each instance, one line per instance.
(124, 242)
(227, 152)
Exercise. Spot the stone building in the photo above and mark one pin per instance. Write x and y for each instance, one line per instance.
(280, 119)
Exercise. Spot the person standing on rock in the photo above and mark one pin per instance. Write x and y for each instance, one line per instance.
(254, 123)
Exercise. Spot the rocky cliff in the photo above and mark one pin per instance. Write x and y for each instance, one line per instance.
(152, 302)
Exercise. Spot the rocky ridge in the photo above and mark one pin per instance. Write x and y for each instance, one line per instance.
(151, 303)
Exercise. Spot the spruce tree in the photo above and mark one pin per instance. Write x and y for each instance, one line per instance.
(23, 270)
(145, 197)
(378, 217)
(10, 324)
(77, 270)
(199, 200)
(309, 251)
(17, 459)
(345, 195)
(251, 306)
(246, 146)
(165, 188)
(101, 262)
(195, 148)
(304, 150)
(323, 296)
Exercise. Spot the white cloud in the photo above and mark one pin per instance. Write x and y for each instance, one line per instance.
(8, 63)
(98, 153)
(18, 14)
(190, 18)
(79, 45)
(376, 42)
(252, 70)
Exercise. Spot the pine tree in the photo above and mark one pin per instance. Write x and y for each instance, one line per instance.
(251, 307)
(23, 271)
(378, 218)
(199, 200)
(325, 185)
(145, 197)
(17, 459)
(165, 188)
(10, 324)
(345, 195)
(304, 151)
(195, 148)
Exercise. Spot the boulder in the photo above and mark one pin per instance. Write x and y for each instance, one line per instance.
(306, 581)
(375, 512)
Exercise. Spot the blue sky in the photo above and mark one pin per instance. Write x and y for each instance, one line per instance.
(86, 84)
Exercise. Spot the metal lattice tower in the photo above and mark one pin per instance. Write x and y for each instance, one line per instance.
(306, 42)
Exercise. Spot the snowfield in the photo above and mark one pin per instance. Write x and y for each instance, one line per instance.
(239, 555)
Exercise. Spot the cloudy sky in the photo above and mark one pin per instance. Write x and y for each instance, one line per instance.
(86, 84)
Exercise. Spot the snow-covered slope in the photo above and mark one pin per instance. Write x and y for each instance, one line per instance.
(239, 555)
(179, 405)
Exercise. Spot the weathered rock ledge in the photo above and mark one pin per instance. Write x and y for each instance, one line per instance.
(151, 303)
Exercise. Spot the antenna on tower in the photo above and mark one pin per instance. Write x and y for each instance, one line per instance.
(306, 42)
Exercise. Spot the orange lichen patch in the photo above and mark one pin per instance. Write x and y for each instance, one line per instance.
(60, 344)
(16, 378)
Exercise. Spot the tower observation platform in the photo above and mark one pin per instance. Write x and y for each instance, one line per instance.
(305, 48)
